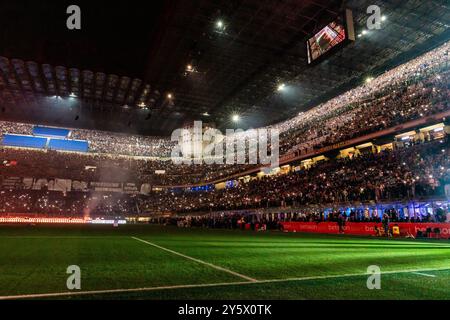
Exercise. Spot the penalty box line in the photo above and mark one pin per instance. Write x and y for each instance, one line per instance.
(204, 285)
(198, 260)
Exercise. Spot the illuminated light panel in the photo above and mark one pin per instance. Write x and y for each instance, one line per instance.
(101, 221)
(59, 220)
(42, 220)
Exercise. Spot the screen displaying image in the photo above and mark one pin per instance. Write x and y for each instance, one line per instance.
(327, 38)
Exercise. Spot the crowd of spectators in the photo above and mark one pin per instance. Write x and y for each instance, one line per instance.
(221, 221)
(37, 163)
(106, 142)
(15, 128)
(408, 173)
(365, 215)
(262, 221)
(125, 144)
(410, 91)
(71, 204)
(415, 172)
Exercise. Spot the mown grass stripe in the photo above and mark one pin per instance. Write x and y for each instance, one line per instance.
(198, 260)
(188, 286)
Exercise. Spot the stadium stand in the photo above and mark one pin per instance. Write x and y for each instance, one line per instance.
(404, 171)
(225, 151)
(415, 172)
(414, 90)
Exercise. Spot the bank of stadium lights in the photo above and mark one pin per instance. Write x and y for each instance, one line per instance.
(190, 69)
(281, 87)
(369, 79)
(220, 26)
(365, 32)
(235, 118)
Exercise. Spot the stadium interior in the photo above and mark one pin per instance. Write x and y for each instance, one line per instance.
(100, 128)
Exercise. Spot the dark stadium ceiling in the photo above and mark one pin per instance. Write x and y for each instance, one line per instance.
(129, 55)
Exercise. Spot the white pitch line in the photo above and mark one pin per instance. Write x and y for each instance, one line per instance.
(425, 274)
(81, 293)
(205, 285)
(198, 261)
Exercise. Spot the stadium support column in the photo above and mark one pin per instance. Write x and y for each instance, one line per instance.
(137, 208)
(419, 136)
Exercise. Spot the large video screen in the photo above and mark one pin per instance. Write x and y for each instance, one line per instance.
(325, 39)
(331, 36)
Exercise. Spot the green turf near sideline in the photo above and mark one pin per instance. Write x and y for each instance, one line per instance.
(394, 287)
(34, 259)
(33, 265)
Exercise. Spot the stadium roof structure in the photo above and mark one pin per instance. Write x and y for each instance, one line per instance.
(191, 60)
(25, 80)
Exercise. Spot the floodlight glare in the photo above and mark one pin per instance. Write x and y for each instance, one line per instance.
(281, 87)
(235, 118)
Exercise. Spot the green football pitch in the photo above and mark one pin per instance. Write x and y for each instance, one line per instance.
(157, 262)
